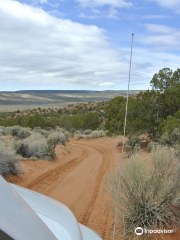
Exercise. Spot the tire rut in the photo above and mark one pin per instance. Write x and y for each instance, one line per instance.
(98, 220)
(49, 180)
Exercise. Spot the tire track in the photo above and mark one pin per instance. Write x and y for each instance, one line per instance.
(49, 180)
(99, 220)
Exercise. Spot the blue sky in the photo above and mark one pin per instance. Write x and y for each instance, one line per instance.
(85, 44)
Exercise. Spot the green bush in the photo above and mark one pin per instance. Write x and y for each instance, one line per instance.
(9, 161)
(176, 135)
(133, 145)
(169, 125)
(149, 193)
(166, 140)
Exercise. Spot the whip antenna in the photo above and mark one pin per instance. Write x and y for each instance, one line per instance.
(120, 172)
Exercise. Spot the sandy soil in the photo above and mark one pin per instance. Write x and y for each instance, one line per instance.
(76, 178)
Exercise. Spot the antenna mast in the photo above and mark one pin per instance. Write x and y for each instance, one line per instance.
(120, 172)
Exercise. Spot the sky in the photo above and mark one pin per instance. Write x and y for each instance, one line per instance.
(86, 44)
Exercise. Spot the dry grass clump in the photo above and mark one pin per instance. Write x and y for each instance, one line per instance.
(9, 161)
(92, 134)
(149, 193)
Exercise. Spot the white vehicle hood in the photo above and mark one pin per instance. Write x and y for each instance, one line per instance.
(57, 217)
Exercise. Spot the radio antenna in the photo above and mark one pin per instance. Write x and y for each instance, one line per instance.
(120, 172)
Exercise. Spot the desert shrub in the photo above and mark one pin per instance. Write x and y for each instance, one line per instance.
(37, 129)
(87, 131)
(58, 137)
(149, 193)
(81, 130)
(79, 136)
(177, 151)
(34, 146)
(72, 130)
(133, 146)
(6, 131)
(23, 133)
(55, 138)
(44, 132)
(3, 131)
(119, 144)
(77, 132)
(50, 129)
(93, 134)
(97, 134)
(19, 132)
(9, 161)
(155, 140)
(176, 134)
(151, 145)
(166, 140)
(14, 130)
(67, 136)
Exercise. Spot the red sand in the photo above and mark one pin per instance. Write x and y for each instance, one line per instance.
(76, 178)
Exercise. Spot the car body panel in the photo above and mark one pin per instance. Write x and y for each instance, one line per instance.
(58, 218)
(89, 234)
(54, 213)
(17, 219)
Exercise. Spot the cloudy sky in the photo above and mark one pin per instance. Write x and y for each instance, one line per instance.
(85, 44)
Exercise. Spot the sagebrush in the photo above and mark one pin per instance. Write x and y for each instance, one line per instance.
(9, 161)
(149, 193)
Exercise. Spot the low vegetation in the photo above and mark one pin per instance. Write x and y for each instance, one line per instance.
(9, 161)
(89, 134)
(133, 145)
(29, 143)
(149, 193)
(33, 146)
(55, 138)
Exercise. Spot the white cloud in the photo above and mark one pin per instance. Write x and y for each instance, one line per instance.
(155, 16)
(39, 49)
(110, 13)
(113, 13)
(171, 4)
(156, 28)
(161, 37)
(107, 84)
(155, 60)
(100, 3)
(43, 1)
(56, 13)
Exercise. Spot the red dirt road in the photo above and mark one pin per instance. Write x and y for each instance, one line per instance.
(76, 178)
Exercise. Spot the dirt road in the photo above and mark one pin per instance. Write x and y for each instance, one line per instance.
(76, 178)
